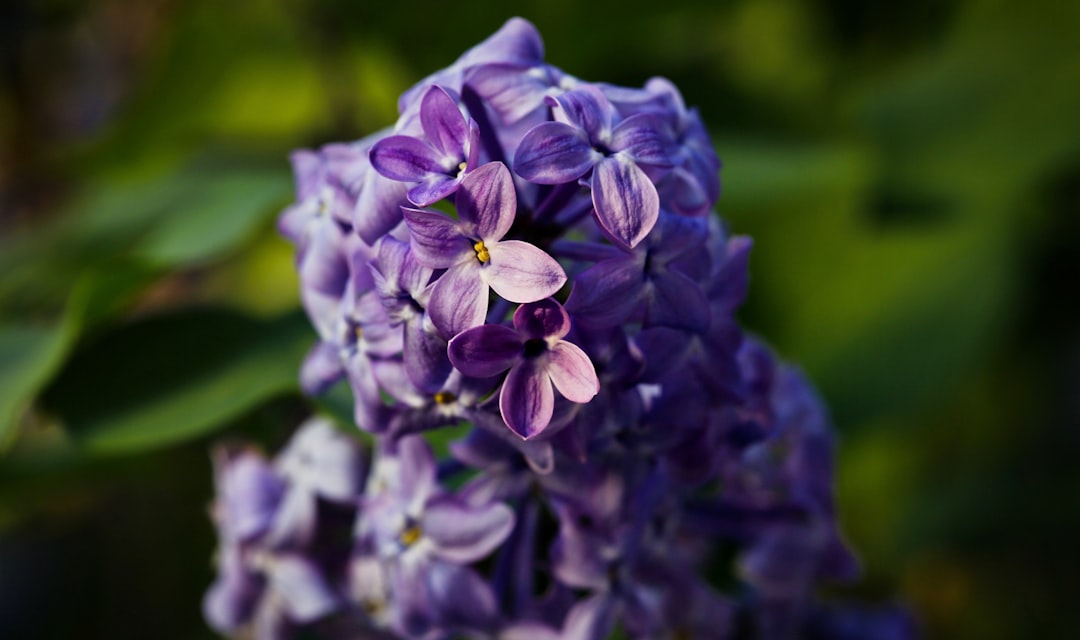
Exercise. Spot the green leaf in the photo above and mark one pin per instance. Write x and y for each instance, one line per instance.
(175, 377)
(28, 357)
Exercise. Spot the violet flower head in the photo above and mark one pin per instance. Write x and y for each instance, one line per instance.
(539, 361)
(603, 454)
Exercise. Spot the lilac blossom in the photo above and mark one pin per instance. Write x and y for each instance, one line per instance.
(588, 138)
(539, 361)
(475, 255)
(437, 164)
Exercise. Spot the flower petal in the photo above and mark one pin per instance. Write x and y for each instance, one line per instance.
(305, 593)
(607, 294)
(554, 153)
(520, 272)
(572, 372)
(485, 351)
(487, 199)
(459, 299)
(527, 400)
(639, 137)
(464, 534)
(436, 240)
(405, 159)
(626, 201)
(435, 187)
(542, 319)
(673, 300)
(444, 125)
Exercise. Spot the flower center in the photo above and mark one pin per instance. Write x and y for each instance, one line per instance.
(410, 535)
(445, 398)
(535, 347)
(481, 252)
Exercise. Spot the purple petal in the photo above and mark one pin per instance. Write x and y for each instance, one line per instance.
(520, 272)
(487, 199)
(542, 319)
(304, 591)
(608, 293)
(592, 618)
(436, 240)
(323, 460)
(586, 107)
(459, 598)
(485, 351)
(626, 201)
(435, 187)
(443, 123)
(572, 372)
(459, 299)
(554, 153)
(527, 400)
(416, 469)
(321, 369)
(230, 602)
(378, 206)
(639, 137)
(405, 159)
(510, 91)
(425, 356)
(464, 534)
(676, 301)
(307, 166)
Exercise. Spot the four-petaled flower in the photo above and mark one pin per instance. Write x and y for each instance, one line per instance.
(537, 356)
(476, 257)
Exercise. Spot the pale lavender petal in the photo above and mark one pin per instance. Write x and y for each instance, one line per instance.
(406, 159)
(230, 602)
(443, 123)
(487, 200)
(464, 534)
(554, 153)
(592, 618)
(510, 91)
(304, 591)
(378, 206)
(520, 272)
(485, 351)
(529, 631)
(416, 468)
(527, 400)
(308, 172)
(436, 239)
(459, 299)
(542, 319)
(321, 369)
(572, 372)
(606, 294)
(626, 201)
(425, 356)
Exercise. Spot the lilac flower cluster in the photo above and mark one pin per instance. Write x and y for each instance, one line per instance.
(534, 256)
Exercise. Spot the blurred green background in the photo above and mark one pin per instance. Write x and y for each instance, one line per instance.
(910, 171)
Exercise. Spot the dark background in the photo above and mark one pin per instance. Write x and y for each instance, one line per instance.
(910, 172)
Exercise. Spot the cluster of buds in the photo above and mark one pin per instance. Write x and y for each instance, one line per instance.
(534, 256)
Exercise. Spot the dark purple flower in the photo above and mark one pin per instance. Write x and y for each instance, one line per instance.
(539, 361)
(474, 254)
(438, 164)
(588, 136)
(643, 284)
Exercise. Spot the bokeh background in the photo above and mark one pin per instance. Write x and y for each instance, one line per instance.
(910, 171)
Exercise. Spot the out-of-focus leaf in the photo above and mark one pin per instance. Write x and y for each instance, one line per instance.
(174, 377)
(28, 356)
(216, 213)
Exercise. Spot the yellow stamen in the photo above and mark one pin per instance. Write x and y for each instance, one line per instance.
(359, 333)
(445, 397)
(410, 536)
(481, 252)
(461, 167)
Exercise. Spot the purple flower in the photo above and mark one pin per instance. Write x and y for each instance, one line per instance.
(538, 359)
(475, 255)
(587, 136)
(450, 152)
